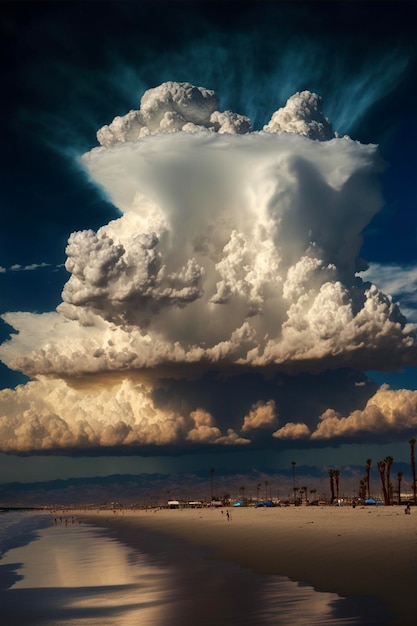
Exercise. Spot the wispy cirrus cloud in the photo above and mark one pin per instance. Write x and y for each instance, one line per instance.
(17, 267)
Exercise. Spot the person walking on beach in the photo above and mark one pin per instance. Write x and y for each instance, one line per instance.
(407, 509)
(227, 514)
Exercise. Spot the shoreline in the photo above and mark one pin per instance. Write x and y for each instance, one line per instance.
(363, 552)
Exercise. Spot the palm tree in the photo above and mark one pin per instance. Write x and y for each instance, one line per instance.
(399, 477)
(388, 464)
(368, 473)
(336, 478)
(362, 488)
(211, 483)
(412, 443)
(304, 489)
(266, 490)
(331, 476)
(226, 499)
(381, 469)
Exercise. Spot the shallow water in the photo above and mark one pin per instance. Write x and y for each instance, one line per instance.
(76, 574)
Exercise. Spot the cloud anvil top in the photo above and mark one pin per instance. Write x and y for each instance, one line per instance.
(236, 252)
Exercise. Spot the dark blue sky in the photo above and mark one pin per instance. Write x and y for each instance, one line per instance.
(70, 67)
(67, 68)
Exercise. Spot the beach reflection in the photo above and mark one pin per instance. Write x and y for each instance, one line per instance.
(75, 557)
(78, 575)
(81, 575)
(285, 603)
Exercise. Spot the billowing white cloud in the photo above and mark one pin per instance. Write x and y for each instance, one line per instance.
(236, 251)
(50, 414)
(292, 430)
(204, 431)
(261, 415)
(302, 114)
(399, 281)
(169, 108)
(387, 411)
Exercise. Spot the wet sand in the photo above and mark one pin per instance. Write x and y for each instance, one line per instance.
(366, 551)
(71, 574)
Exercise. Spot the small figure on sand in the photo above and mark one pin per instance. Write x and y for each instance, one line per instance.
(407, 509)
(227, 515)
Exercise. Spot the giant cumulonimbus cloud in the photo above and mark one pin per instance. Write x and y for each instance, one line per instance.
(236, 251)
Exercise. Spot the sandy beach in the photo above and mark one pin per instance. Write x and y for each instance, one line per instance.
(362, 551)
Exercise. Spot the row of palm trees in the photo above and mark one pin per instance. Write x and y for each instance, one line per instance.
(384, 469)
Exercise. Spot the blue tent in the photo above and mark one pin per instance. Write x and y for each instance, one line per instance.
(370, 501)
